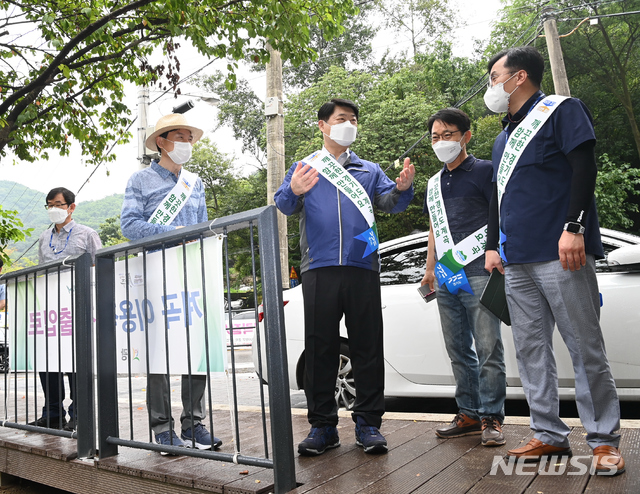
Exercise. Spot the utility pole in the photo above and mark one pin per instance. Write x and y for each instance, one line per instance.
(558, 71)
(275, 151)
(143, 107)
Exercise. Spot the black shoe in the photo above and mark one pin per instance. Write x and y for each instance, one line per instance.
(54, 422)
(461, 425)
(70, 426)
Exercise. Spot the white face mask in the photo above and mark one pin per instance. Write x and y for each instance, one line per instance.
(343, 133)
(57, 215)
(447, 151)
(496, 98)
(181, 152)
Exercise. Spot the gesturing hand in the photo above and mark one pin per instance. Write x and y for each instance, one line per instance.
(404, 181)
(303, 179)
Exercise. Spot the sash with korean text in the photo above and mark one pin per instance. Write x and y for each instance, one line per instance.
(330, 169)
(175, 200)
(518, 141)
(452, 258)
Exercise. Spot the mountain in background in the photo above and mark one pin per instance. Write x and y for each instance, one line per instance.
(30, 206)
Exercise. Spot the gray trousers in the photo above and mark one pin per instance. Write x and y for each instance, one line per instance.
(159, 401)
(539, 295)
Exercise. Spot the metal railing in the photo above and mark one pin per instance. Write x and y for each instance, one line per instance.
(125, 277)
(41, 331)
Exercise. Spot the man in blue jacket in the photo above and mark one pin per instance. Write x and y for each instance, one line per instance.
(335, 191)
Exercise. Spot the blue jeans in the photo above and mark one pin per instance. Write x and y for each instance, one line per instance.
(474, 344)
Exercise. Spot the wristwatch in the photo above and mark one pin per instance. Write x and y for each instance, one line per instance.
(573, 227)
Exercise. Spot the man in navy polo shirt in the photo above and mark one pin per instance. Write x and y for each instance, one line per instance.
(457, 201)
(543, 211)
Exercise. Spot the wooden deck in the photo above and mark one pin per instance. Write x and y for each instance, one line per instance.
(417, 462)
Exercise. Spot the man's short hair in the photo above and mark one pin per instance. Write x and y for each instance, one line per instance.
(69, 197)
(328, 108)
(522, 58)
(451, 116)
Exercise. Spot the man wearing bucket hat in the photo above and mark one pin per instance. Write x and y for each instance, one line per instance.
(142, 216)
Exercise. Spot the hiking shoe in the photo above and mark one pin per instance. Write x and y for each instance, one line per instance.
(54, 422)
(492, 432)
(319, 440)
(202, 438)
(369, 438)
(168, 438)
(461, 425)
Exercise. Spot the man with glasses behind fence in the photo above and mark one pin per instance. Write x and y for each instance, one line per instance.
(66, 238)
(457, 201)
(143, 200)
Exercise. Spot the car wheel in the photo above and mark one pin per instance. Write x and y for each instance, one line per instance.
(345, 384)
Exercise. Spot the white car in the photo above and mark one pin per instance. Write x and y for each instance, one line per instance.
(416, 361)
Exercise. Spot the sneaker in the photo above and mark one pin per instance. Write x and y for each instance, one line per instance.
(168, 438)
(492, 432)
(369, 438)
(319, 440)
(70, 426)
(461, 425)
(202, 438)
(54, 422)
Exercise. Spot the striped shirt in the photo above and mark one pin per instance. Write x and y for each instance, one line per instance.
(145, 190)
(74, 239)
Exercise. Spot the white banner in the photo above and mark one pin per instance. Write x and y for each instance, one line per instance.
(48, 324)
(44, 325)
(182, 307)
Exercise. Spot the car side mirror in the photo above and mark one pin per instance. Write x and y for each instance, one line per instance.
(624, 259)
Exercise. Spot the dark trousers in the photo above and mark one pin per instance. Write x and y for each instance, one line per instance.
(328, 294)
(54, 395)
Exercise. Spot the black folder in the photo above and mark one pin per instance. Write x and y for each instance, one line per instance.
(494, 297)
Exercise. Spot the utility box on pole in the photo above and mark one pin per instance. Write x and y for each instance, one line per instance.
(275, 151)
(558, 70)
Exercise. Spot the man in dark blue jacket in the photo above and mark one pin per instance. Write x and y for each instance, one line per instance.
(335, 191)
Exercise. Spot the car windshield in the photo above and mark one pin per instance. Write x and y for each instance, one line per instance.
(403, 266)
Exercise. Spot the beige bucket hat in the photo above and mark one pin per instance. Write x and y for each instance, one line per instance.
(170, 122)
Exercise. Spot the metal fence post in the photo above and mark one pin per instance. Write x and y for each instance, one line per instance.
(106, 355)
(84, 397)
(279, 398)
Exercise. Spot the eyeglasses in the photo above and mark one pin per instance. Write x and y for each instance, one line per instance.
(494, 77)
(58, 205)
(445, 136)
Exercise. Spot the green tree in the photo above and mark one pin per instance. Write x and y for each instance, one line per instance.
(110, 233)
(215, 169)
(602, 62)
(422, 22)
(242, 110)
(615, 185)
(11, 230)
(66, 80)
(350, 49)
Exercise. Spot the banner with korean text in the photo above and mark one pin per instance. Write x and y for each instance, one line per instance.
(175, 309)
(172, 307)
(42, 325)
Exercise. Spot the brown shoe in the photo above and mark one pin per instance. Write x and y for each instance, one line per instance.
(461, 425)
(535, 450)
(608, 460)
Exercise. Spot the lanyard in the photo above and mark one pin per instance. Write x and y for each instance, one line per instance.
(65, 244)
(506, 131)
